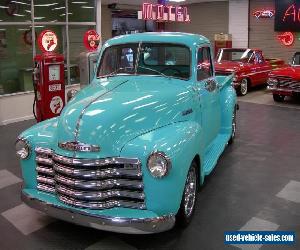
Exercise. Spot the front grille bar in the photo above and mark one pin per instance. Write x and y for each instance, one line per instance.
(94, 184)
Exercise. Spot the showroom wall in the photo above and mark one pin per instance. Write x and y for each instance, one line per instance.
(262, 35)
(208, 19)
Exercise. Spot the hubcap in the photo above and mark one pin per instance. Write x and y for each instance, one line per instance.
(190, 192)
(244, 86)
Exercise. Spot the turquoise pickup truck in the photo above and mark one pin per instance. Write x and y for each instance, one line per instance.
(129, 151)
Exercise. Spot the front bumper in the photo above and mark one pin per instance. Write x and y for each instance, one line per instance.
(285, 90)
(107, 223)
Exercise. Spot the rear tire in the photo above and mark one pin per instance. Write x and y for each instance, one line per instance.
(278, 98)
(244, 87)
(189, 197)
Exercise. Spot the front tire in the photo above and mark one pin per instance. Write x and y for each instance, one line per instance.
(278, 98)
(243, 88)
(189, 197)
(234, 127)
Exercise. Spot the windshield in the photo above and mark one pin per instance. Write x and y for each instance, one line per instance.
(163, 59)
(238, 55)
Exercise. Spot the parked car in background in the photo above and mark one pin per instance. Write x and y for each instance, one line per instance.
(286, 81)
(129, 151)
(248, 66)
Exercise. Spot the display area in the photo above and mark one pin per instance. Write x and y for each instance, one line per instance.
(167, 124)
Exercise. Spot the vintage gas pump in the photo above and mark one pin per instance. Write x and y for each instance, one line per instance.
(222, 41)
(48, 79)
(88, 59)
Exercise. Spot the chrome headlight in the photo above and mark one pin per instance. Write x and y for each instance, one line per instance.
(159, 164)
(272, 81)
(23, 149)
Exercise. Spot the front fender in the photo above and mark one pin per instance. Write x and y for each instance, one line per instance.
(181, 142)
(42, 135)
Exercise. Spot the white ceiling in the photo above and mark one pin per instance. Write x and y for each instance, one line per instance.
(139, 2)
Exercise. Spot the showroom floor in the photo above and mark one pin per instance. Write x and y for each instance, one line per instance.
(256, 186)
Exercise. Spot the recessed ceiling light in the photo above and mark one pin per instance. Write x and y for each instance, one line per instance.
(20, 3)
(18, 14)
(59, 8)
(45, 5)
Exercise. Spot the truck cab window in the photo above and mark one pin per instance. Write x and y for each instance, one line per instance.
(204, 64)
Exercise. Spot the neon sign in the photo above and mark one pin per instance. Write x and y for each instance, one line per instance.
(287, 15)
(164, 13)
(265, 13)
(287, 38)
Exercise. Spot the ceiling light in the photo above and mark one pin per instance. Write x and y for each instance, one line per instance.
(87, 7)
(45, 5)
(18, 14)
(177, 1)
(2, 29)
(77, 2)
(28, 11)
(21, 3)
(59, 8)
(39, 17)
(70, 13)
(3, 7)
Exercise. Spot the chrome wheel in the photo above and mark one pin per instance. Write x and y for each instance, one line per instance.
(190, 190)
(244, 87)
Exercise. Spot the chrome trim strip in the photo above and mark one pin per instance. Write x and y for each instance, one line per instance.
(283, 89)
(44, 170)
(45, 188)
(98, 196)
(43, 151)
(44, 161)
(96, 173)
(48, 181)
(95, 162)
(99, 185)
(101, 205)
(101, 222)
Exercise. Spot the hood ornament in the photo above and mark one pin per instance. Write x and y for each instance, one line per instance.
(78, 147)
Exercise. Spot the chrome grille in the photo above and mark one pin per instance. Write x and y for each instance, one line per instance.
(286, 82)
(94, 184)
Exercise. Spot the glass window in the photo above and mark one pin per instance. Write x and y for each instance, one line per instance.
(16, 59)
(81, 11)
(154, 59)
(48, 11)
(204, 65)
(15, 11)
(242, 55)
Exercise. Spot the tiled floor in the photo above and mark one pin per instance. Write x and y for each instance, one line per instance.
(255, 186)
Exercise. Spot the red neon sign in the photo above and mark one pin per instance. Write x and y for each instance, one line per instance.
(159, 12)
(287, 38)
(264, 13)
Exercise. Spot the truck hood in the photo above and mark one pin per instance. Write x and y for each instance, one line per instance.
(229, 66)
(111, 112)
(290, 71)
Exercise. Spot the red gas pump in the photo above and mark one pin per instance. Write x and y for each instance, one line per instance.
(48, 79)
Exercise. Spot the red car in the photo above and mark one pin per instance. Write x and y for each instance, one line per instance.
(249, 67)
(286, 81)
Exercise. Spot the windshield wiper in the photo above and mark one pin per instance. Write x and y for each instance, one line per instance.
(154, 70)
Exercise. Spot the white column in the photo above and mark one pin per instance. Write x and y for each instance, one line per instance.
(239, 23)
(98, 18)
